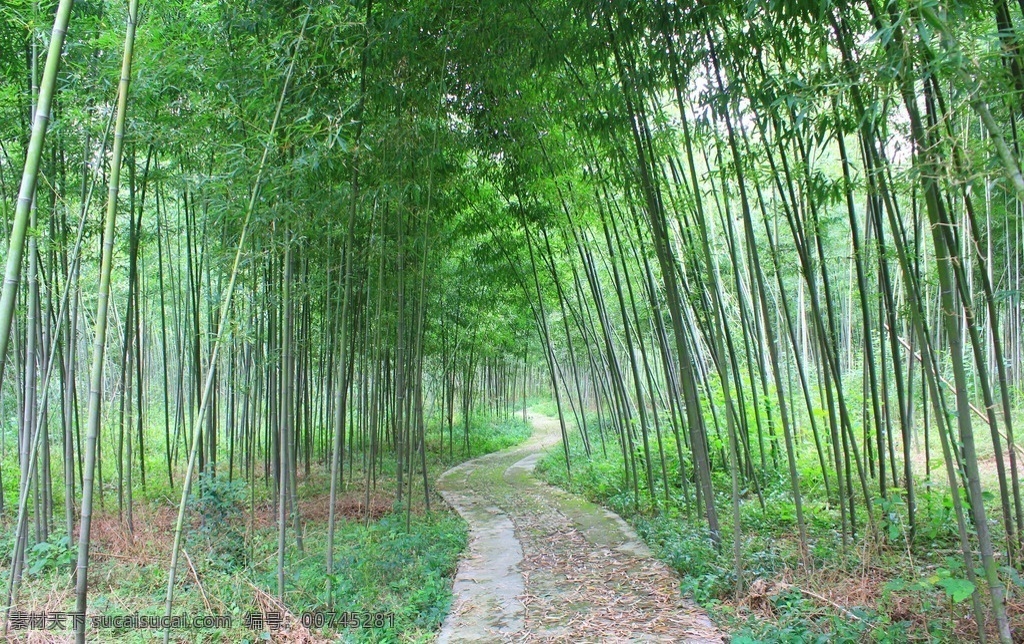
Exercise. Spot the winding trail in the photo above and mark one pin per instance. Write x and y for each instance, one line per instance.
(547, 566)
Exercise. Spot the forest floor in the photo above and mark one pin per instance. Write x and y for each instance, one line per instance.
(893, 586)
(547, 565)
(389, 562)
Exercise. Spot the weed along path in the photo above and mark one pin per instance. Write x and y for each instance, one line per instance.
(545, 565)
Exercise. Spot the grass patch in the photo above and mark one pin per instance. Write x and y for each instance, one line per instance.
(384, 568)
(499, 435)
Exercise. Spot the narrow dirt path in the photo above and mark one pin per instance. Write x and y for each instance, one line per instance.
(545, 565)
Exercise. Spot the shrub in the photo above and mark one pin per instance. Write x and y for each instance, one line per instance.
(220, 504)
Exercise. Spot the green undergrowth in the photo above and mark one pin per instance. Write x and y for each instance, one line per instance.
(867, 591)
(399, 564)
(487, 437)
(546, 407)
(382, 568)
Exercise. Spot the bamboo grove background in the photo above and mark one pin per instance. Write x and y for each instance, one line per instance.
(749, 248)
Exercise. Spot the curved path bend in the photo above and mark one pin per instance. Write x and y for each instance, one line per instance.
(544, 565)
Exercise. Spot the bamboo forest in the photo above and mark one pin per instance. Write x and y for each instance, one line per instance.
(512, 321)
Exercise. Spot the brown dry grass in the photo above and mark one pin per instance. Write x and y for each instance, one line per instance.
(153, 533)
(836, 592)
(154, 526)
(350, 506)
